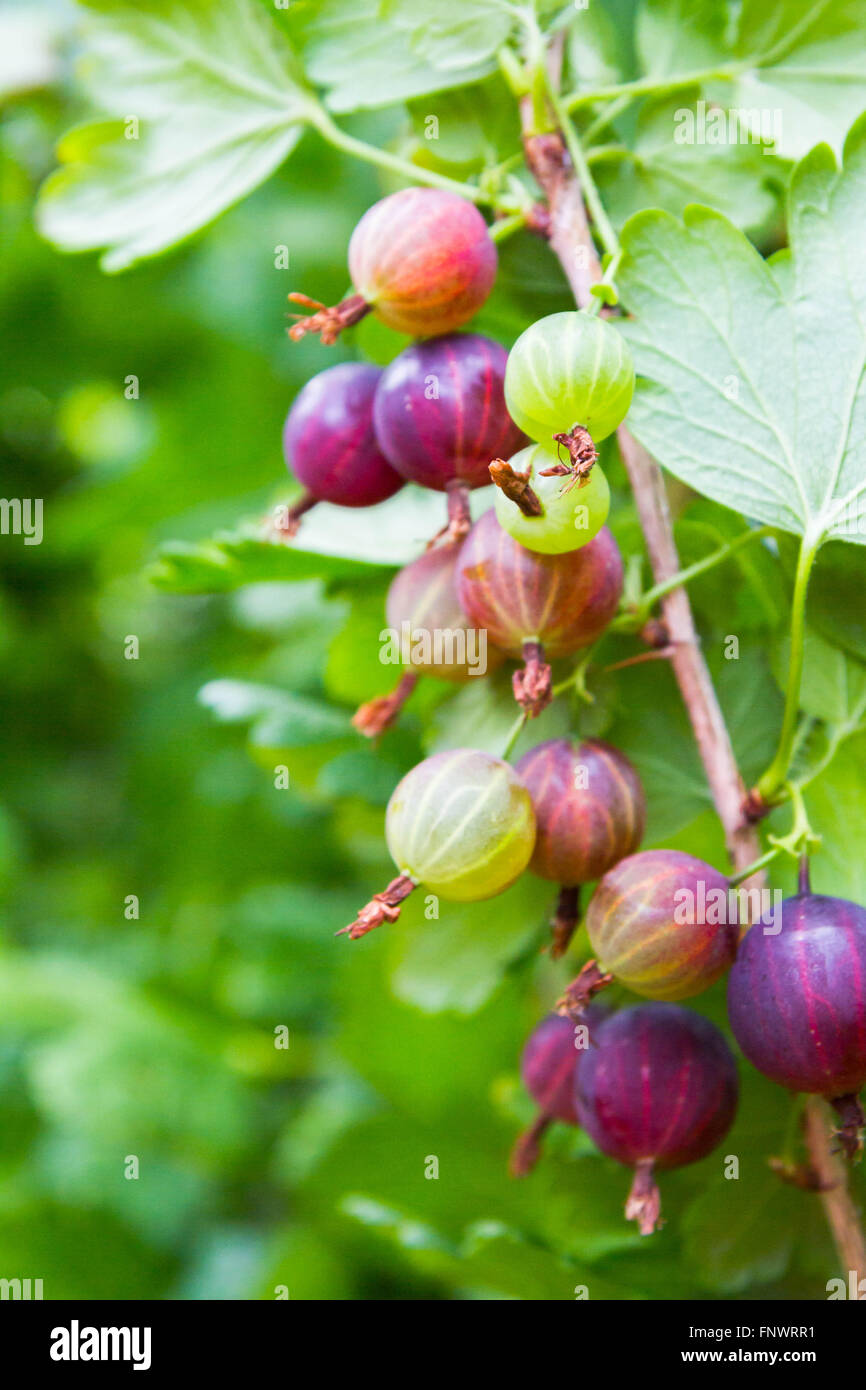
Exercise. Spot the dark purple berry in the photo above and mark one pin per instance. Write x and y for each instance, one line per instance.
(657, 1089)
(440, 411)
(797, 1001)
(329, 441)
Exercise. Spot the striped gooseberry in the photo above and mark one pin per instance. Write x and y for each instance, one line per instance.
(548, 1066)
(422, 260)
(553, 508)
(590, 811)
(537, 606)
(657, 1089)
(797, 1001)
(663, 923)
(440, 413)
(429, 633)
(569, 369)
(461, 822)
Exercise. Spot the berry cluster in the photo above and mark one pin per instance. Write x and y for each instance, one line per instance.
(540, 575)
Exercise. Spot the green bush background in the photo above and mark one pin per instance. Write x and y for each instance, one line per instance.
(263, 1168)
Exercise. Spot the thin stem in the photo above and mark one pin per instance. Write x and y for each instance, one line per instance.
(840, 1211)
(577, 679)
(647, 86)
(592, 198)
(756, 867)
(514, 734)
(769, 785)
(658, 591)
(604, 118)
(505, 227)
(371, 154)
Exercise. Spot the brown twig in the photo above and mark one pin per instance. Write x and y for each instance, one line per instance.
(840, 1211)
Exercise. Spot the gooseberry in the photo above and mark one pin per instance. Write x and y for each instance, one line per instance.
(663, 923)
(462, 823)
(590, 812)
(330, 445)
(553, 508)
(548, 1066)
(797, 1001)
(537, 605)
(656, 1089)
(440, 413)
(569, 369)
(429, 633)
(421, 259)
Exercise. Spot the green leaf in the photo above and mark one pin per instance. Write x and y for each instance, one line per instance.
(453, 34)
(596, 47)
(836, 803)
(751, 384)
(792, 72)
(332, 543)
(740, 1232)
(143, 180)
(475, 126)
(810, 69)
(655, 171)
(835, 606)
(457, 960)
(677, 37)
(833, 686)
(278, 718)
(365, 57)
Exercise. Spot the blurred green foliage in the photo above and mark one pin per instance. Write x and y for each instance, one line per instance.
(152, 1036)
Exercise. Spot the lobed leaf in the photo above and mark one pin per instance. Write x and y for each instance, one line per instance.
(143, 180)
(751, 382)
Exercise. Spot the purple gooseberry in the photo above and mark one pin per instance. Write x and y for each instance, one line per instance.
(330, 445)
(797, 1001)
(657, 1089)
(548, 1066)
(440, 413)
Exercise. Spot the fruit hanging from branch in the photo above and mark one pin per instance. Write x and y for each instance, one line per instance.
(537, 606)
(461, 822)
(663, 923)
(433, 634)
(440, 417)
(422, 260)
(554, 507)
(330, 445)
(657, 1089)
(566, 370)
(797, 1002)
(590, 812)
